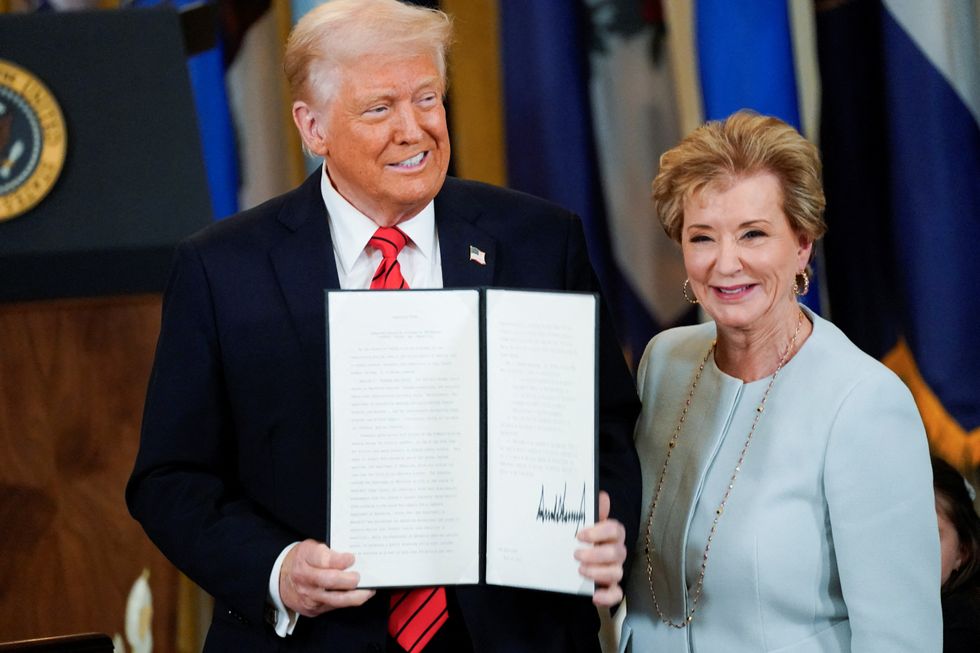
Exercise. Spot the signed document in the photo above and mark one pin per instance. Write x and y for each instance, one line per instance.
(462, 435)
(541, 429)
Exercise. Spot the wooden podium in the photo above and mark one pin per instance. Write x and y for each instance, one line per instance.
(80, 277)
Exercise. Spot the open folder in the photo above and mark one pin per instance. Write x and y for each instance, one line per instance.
(462, 435)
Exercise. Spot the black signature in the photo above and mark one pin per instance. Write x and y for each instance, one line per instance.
(558, 513)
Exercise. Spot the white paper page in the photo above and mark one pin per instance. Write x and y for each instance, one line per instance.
(405, 435)
(541, 437)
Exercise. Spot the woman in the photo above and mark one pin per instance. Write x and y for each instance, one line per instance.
(787, 490)
(959, 540)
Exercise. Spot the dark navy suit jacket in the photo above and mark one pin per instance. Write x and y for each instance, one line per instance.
(232, 460)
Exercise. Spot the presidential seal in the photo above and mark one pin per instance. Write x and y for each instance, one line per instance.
(32, 140)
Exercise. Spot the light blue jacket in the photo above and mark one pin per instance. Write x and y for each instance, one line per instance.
(829, 541)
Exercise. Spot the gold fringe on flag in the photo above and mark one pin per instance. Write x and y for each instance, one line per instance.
(476, 92)
(947, 439)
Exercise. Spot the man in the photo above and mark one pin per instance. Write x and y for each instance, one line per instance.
(230, 478)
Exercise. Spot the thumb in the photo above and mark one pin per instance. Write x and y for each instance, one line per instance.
(603, 505)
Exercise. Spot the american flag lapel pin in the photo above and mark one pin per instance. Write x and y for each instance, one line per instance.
(477, 255)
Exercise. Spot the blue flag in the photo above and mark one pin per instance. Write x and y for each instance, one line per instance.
(550, 144)
(901, 134)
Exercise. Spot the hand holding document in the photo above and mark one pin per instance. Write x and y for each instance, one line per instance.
(603, 562)
(462, 436)
(315, 579)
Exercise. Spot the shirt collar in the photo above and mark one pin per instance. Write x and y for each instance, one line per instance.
(351, 230)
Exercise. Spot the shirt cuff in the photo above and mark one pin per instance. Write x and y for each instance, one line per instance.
(284, 619)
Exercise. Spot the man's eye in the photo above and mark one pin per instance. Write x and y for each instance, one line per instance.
(376, 110)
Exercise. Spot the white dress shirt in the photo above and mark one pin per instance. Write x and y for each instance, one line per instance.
(421, 266)
(350, 231)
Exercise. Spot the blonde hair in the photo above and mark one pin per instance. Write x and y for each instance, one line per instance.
(340, 31)
(720, 152)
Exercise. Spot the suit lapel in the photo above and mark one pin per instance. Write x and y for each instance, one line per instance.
(304, 265)
(456, 218)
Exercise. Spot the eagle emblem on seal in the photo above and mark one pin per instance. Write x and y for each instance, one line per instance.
(32, 140)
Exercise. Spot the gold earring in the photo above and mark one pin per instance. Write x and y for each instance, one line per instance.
(806, 283)
(687, 296)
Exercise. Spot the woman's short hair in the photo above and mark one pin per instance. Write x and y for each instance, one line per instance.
(954, 500)
(746, 143)
(339, 32)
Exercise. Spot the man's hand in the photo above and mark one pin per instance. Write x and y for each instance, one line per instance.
(313, 580)
(603, 562)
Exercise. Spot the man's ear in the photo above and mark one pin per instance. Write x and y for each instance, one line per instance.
(311, 128)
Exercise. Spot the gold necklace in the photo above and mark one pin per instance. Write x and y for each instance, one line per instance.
(648, 540)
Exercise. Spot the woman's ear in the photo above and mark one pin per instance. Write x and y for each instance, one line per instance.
(804, 251)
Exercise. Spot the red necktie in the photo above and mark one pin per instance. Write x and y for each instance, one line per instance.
(390, 240)
(414, 616)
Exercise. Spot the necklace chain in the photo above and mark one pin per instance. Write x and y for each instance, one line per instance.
(671, 445)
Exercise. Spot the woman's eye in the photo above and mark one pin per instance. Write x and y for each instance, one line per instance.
(700, 238)
(754, 233)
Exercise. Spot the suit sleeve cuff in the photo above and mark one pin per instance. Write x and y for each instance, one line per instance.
(283, 619)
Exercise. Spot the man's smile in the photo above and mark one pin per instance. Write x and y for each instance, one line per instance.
(412, 162)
